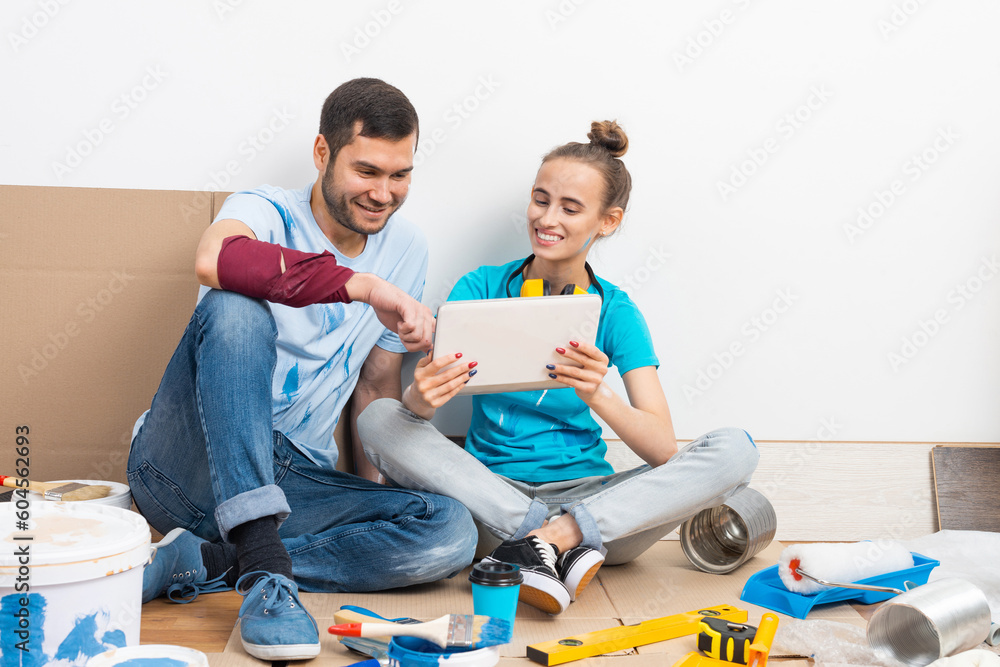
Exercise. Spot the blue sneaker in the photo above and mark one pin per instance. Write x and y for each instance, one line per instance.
(175, 569)
(273, 623)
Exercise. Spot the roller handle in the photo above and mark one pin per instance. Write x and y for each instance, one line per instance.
(860, 587)
(761, 646)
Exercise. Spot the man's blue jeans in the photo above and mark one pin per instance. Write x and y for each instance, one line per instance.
(207, 459)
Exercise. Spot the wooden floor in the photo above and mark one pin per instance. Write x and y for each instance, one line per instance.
(207, 624)
(204, 625)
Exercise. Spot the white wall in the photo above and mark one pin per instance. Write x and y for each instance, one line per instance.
(836, 101)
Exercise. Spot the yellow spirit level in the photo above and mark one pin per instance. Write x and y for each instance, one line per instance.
(626, 636)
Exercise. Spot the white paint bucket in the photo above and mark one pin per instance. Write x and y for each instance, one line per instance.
(70, 581)
(120, 495)
(150, 655)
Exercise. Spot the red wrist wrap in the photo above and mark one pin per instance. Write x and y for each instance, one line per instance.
(253, 268)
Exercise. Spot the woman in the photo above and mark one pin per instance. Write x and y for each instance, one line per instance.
(533, 472)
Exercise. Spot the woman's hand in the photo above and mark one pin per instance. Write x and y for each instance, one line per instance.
(588, 380)
(432, 387)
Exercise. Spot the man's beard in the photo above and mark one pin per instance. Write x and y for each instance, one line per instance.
(343, 212)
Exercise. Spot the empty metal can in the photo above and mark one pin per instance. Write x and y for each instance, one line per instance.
(720, 539)
(932, 621)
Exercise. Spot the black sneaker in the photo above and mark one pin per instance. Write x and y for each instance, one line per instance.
(577, 566)
(542, 587)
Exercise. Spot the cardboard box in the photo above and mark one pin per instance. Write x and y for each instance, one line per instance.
(98, 286)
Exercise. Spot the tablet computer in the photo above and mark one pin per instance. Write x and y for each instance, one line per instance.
(513, 339)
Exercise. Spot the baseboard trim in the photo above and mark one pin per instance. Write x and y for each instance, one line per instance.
(839, 491)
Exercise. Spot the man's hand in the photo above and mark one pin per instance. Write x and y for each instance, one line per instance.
(395, 309)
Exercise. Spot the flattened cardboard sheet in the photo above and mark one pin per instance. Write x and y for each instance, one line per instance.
(659, 583)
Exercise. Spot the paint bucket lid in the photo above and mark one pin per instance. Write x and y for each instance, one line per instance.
(416, 652)
(119, 496)
(150, 655)
(67, 542)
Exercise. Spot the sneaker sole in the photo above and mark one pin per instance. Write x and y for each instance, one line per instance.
(281, 651)
(541, 600)
(592, 561)
(542, 592)
(575, 592)
(549, 595)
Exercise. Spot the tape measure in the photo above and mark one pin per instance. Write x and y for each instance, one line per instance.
(725, 640)
(541, 287)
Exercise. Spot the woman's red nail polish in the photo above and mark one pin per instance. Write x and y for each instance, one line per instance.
(561, 350)
(458, 355)
(574, 343)
(473, 364)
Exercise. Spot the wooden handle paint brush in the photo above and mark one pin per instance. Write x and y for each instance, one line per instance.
(451, 631)
(66, 491)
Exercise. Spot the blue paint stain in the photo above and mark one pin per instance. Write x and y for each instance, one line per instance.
(80, 645)
(81, 642)
(291, 386)
(152, 662)
(333, 315)
(286, 215)
(347, 361)
(113, 638)
(10, 607)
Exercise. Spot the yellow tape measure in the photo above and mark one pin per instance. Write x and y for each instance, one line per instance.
(725, 640)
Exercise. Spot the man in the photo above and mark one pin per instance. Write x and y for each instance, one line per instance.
(307, 296)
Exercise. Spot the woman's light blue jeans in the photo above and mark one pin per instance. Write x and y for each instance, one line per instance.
(626, 512)
(207, 459)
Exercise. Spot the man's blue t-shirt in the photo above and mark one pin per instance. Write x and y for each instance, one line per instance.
(321, 347)
(550, 435)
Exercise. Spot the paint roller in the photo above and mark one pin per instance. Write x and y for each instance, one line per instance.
(811, 568)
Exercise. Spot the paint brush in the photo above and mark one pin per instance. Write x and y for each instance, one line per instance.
(451, 631)
(66, 491)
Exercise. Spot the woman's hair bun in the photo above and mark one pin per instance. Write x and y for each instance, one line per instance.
(609, 134)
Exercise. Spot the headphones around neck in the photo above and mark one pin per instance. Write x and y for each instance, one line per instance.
(540, 287)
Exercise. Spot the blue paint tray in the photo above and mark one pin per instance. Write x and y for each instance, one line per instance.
(766, 590)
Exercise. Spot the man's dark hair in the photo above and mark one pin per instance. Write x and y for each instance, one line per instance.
(384, 112)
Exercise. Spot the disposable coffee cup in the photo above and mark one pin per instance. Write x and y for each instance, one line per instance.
(494, 589)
